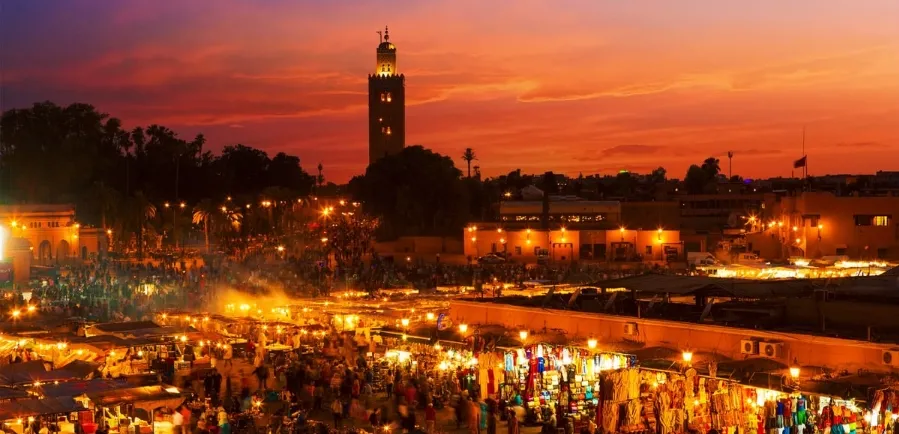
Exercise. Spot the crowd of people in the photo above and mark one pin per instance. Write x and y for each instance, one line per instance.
(333, 378)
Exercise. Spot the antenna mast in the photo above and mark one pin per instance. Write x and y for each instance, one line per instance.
(730, 165)
(380, 36)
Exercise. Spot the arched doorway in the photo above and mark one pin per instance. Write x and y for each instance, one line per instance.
(62, 250)
(83, 252)
(44, 252)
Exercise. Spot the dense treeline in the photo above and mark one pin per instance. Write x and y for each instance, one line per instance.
(76, 154)
(122, 178)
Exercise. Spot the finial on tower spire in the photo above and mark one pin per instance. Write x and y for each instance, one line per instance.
(386, 34)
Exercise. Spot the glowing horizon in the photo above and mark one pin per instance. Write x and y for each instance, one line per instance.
(570, 86)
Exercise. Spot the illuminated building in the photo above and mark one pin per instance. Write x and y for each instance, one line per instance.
(576, 230)
(579, 243)
(46, 235)
(821, 225)
(386, 104)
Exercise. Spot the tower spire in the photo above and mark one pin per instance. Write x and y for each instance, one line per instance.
(386, 34)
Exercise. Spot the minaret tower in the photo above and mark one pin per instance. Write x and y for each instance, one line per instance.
(386, 103)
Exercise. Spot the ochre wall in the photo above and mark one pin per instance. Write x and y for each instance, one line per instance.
(805, 349)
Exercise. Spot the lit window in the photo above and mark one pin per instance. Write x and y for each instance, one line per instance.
(383, 96)
(389, 98)
(881, 220)
(388, 131)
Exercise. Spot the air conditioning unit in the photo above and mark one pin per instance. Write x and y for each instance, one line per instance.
(890, 357)
(771, 350)
(748, 346)
(630, 329)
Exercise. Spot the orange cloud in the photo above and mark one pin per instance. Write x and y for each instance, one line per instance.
(570, 86)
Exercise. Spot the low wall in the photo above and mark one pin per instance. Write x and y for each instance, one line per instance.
(420, 246)
(807, 350)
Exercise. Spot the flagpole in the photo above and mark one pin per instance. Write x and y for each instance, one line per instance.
(804, 166)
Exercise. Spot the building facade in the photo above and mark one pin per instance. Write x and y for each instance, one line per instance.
(562, 211)
(565, 245)
(386, 104)
(578, 230)
(46, 235)
(820, 224)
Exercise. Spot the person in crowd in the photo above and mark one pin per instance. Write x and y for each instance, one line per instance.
(337, 412)
(430, 419)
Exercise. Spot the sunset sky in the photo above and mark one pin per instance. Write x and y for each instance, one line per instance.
(588, 86)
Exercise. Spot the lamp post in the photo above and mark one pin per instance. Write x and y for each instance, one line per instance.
(175, 219)
(795, 371)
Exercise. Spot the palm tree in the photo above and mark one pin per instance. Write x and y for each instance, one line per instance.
(140, 212)
(202, 213)
(124, 141)
(469, 156)
(106, 200)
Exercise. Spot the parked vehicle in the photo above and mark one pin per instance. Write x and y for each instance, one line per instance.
(491, 258)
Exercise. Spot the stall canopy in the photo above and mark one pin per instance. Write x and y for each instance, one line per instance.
(37, 407)
(34, 371)
(10, 393)
(710, 286)
(89, 387)
(144, 397)
(121, 329)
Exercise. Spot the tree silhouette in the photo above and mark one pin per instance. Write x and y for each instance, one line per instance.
(413, 192)
(695, 180)
(76, 154)
(203, 212)
(711, 167)
(469, 156)
(139, 211)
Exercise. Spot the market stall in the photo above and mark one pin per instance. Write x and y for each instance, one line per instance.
(561, 382)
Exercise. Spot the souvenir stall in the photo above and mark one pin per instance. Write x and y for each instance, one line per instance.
(846, 416)
(674, 402)
(408, 355)
(560, 380)
(670, 402)
(883, 414)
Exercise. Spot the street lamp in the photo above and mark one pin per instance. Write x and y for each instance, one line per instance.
(463, 328)
(591, 344)
(523, 335)
(687, 356)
